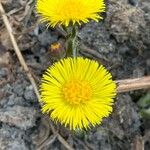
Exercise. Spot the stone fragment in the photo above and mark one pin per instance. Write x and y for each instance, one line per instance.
(22, 117)
(11, 144)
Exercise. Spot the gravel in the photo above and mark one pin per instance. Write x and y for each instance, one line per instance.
(21, 117)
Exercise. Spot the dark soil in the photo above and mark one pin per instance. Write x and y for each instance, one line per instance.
(122, 42)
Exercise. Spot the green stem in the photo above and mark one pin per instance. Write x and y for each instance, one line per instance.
(71, 46)
(74, 43)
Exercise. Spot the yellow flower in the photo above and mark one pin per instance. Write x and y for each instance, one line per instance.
(65, 11)
(77, 92)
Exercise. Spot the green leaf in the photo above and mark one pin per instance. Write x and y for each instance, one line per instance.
(145, 113)
(144, 101)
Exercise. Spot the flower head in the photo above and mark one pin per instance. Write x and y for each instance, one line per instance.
(77, 92)
(69, 11)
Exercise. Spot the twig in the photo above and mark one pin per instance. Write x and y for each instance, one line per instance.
(17, 50)
(92, 52)
(48, 142)
(60, 138)
(133, 84)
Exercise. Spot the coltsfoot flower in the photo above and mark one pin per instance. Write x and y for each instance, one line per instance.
(69, 11)
(77, 92)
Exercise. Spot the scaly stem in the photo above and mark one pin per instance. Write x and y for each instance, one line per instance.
(71, 44)
(74, 42)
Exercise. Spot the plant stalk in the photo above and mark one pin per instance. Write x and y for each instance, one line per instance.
(71, 44)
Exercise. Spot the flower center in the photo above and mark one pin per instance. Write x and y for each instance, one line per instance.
(71, 9)
(76, 92)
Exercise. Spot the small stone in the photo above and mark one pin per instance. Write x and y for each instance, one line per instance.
(3, 72)
(19, 89)
(8, 89)
(46, 38)
(11, 100)
(12, 138)
(22, 117)
(128, 115)
(134, 2)
(148, 62)
(125, 24)
(19, 100)
(29, 94)
(138, 72)
(11, 144)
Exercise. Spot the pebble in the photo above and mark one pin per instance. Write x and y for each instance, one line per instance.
(148, 62)
(19, 89)
(29, 94)
(46, 38)
(133, 2)
(3, 72)
(11, 144)
(15, 100)
(19, 116)
(138, 72)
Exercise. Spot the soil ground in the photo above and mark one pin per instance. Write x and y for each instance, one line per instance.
(121, 42)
